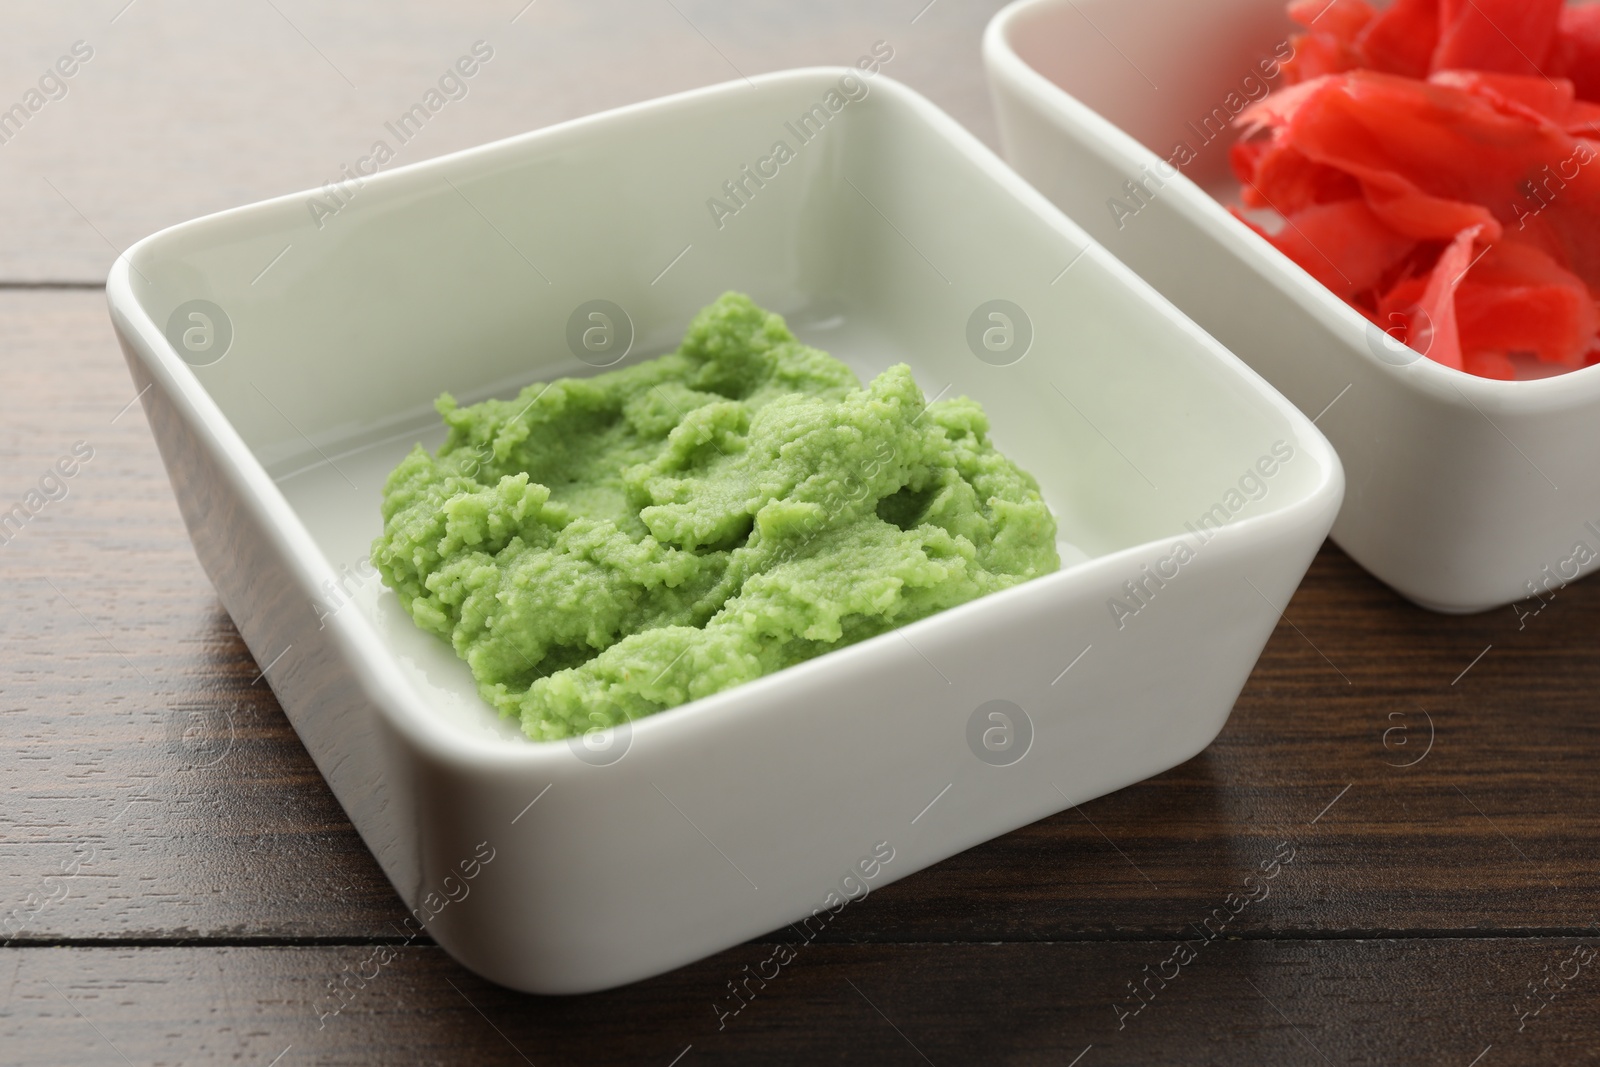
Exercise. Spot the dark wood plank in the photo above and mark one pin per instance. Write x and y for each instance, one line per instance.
(139, 757)
(1289, 1003)
(137, 729)
(188, 107)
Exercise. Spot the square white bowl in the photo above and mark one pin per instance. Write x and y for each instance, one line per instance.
(731, 816)
(1464, 493)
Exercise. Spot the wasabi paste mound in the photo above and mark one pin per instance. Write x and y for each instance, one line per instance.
(600, 549)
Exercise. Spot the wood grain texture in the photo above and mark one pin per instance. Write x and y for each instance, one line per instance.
(1290, 1003)
(139, 756)
(189, 107)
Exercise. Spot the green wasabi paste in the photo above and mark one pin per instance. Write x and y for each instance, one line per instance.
(601, 549)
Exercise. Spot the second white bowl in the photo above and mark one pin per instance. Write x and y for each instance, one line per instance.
(1464, 493)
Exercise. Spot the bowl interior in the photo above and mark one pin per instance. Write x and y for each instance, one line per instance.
(1179, 86)
(879, 235)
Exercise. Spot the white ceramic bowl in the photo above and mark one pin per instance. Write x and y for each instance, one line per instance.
(731, 816)
(1464, 493)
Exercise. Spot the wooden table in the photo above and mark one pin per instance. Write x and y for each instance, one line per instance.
(178, 885)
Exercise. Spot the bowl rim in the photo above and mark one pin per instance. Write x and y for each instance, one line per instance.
(1457, 388)
(362, 649)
